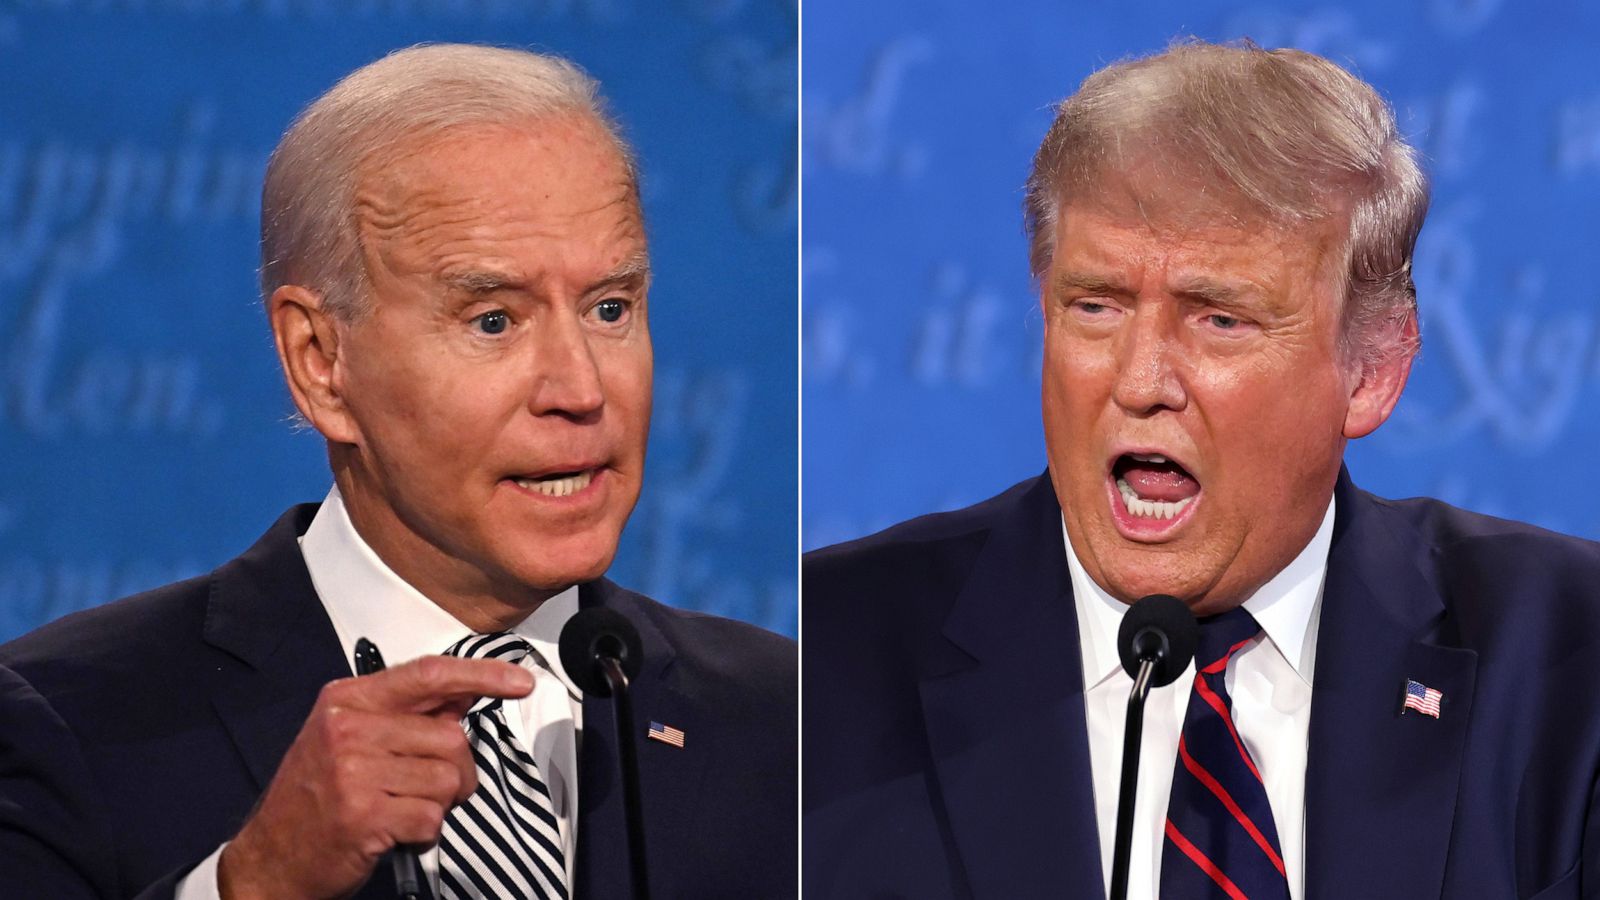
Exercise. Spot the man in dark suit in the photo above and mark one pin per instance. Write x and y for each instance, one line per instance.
(1390, 700)
(455, 271)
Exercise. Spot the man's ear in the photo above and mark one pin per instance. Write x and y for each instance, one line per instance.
(1375, 394)
(307, 338)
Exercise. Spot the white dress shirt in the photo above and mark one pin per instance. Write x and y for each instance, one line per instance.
(1269, 681)
(365, 598)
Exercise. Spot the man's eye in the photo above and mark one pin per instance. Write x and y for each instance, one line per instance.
(1091, 307)
(611, 310)
(495, 322)
(1223, 322)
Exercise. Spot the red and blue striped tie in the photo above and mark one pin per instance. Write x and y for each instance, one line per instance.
(1220, 838)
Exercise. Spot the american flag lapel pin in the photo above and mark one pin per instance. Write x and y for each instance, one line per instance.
(1421, 698)
(666, 734)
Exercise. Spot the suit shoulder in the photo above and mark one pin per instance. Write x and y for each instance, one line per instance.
(932, 544)
(148, 644)
(1464, 538)
(124, 636)
(1514, 592)
(125, 668)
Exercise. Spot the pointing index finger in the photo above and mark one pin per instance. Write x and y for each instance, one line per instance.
(435, 683)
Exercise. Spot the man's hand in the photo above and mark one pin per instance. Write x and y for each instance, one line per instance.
(379, 762)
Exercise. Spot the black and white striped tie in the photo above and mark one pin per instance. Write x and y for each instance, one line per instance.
(503, 841)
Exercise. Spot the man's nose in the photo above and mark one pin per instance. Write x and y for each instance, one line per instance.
(565, 373)
(1148, 377)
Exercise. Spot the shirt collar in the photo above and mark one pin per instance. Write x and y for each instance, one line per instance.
(1285, 608)
(365, 598)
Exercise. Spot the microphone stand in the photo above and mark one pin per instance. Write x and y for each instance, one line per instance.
(627, 752)
(1134, 729)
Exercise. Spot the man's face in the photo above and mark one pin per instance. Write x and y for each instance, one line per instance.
(1196, 404)
(499, 393)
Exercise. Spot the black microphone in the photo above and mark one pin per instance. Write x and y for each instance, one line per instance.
(1156, 641)
(1161, 630)
(590, 639)
(601, 652)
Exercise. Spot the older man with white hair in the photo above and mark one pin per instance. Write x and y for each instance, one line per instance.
(1388, 700)
(456, 273)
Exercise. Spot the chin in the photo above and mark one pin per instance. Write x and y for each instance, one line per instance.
(1131, 588)
(1131, 576)
(567, 562)
(1194, 585)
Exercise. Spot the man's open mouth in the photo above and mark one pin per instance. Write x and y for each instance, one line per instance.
(1153, 486)
(558, 484)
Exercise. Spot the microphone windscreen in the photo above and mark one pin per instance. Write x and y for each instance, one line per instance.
(595, 633)
(1160, 625)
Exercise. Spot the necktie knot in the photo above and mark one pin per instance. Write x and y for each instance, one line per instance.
(1221, 633)
(501, 645)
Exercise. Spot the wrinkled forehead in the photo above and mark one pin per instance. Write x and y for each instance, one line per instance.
(1168, 186)
(484, 208)
(488, 164)
(1172, 198)
(558, 194)
(1194, 241)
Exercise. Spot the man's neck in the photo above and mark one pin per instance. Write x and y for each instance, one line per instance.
(471, 596)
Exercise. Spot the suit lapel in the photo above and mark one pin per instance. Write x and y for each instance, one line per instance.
(264, 612)
(281, 649)
(670, 777)
(1381, 786)
(1004, 709)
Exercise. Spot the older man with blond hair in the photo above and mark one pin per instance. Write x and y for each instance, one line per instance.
(455, 269)
(1389, 699)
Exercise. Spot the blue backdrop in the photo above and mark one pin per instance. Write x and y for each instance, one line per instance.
(143, 428)
(921, 335)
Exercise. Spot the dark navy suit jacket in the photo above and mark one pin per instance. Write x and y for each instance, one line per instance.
(946, 751)
(136, 737)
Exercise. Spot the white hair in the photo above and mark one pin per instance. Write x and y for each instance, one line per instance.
(308, 234)
(1293, 136)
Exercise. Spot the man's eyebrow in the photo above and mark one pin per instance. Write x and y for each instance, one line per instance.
(634, 269)
(1086, 282)
(479, 281)
(1213, 290)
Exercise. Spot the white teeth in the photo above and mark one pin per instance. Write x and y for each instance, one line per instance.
(1153, 458)
(1149, 509)
(558, 487)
